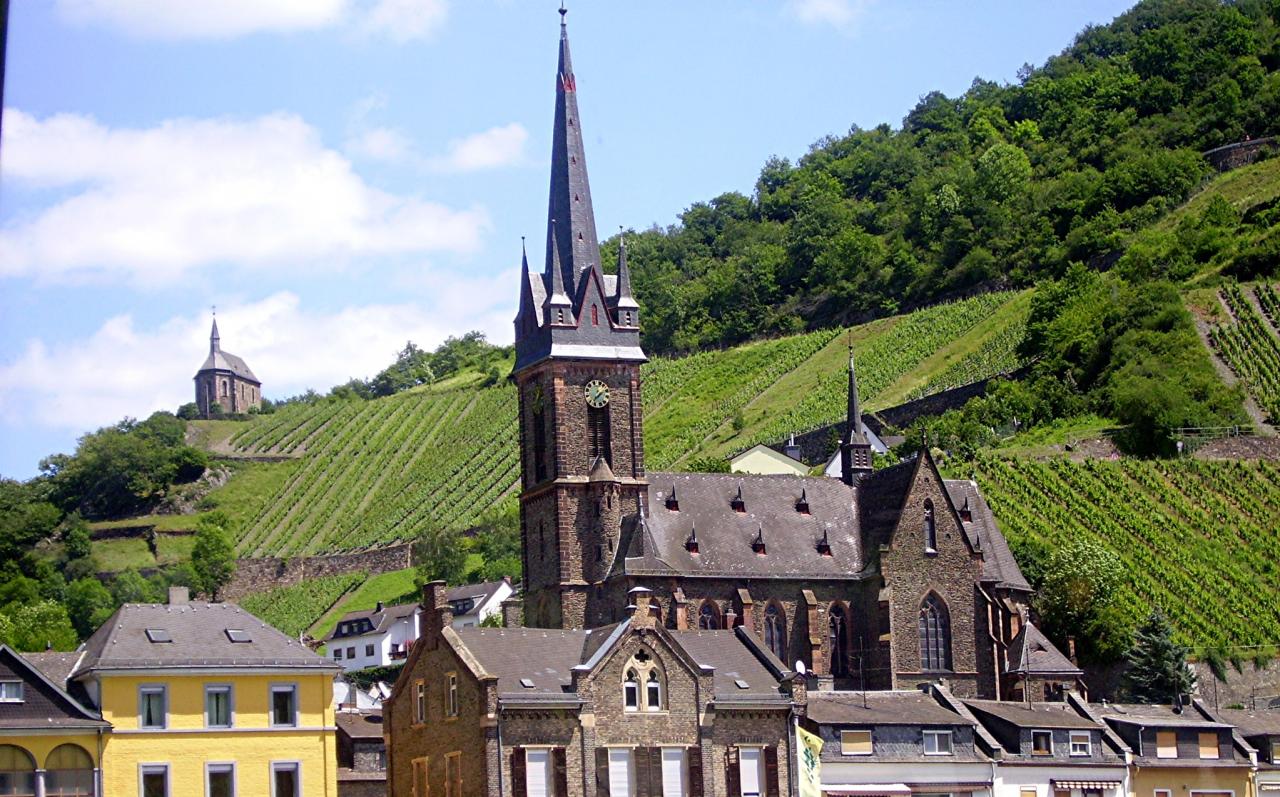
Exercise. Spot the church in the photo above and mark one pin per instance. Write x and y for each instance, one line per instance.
(226, 381)
(881, 579)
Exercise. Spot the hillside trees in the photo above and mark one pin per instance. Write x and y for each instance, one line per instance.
(213, 557)
(1158, 671)
(1077, 598)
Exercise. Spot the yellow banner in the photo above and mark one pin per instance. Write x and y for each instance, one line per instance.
(810, 765)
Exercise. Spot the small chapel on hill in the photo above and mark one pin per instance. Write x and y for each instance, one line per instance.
(225, 380)
(881, 579)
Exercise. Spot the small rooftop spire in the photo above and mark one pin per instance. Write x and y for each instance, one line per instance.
(558, 297)
(622, 297)
(215, 342)
(854, 417)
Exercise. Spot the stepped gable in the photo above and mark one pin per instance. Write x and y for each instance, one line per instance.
(1032, 653)
(998, 563)
(725, 535)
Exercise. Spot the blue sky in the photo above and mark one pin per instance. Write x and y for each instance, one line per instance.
(340, 176)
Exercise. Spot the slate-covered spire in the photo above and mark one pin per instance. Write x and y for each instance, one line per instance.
(626, 309)
(855, 449)
(215, 342)
(570, 200)
(559, 308)
(526, 314)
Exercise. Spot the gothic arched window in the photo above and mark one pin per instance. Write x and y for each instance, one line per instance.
(930, 527)
(631, 691)
(601, 442)
(643, 669)
(708, 616)
(775, 631)
(838, 627)
(935, 634)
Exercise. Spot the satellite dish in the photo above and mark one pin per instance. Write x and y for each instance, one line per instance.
(800, 666)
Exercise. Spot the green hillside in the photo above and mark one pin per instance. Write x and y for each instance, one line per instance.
(1249, 342)
(1198, 539)
(367, 472)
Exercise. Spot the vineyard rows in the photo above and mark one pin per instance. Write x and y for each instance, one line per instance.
(1196, 538)
(998, 355)
(1250, 345)
(294, 609)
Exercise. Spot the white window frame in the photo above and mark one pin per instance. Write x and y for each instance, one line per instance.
(419, 702)
(652, 686)
(1041, 732)
(231, 704)
(19, 691)
(927, 734)
(870, 741)
(220, 766)
(743, 767)
(451, 694)
(296, 766)
(626, 757)
(153, 768)
(280, 688)
(1076, 738)
(163, 691)
(681, 754)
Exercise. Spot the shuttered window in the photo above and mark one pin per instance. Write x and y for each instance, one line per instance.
(751, 771)
(674, 773)
(622, 773)
(1209, 745)
(1166, 744)
(855, 742)
(537, 773)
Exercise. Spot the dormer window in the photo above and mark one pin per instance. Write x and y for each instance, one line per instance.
(824, 544)
(757, 544)
(644, 670)
(802, 505)
(937, 743)
(691, 544)
(672, 503)
(10, 691)
(736, 503)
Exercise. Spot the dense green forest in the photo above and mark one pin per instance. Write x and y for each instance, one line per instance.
(1006, 183)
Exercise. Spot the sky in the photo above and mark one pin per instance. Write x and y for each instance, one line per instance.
(339, 177)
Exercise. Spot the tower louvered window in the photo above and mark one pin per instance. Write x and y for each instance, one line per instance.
(598, 428)
(838, 626)
(930, 528)
(775, 631)
(539, 445)
(935, 634)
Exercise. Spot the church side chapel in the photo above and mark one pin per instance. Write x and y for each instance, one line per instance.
(880, 579)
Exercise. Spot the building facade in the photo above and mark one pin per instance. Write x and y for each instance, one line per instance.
(226, 381)
(1181, 751)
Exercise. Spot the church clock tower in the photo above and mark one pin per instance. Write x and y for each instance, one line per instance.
(577, 371)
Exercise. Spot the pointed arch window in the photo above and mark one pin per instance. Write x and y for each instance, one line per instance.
(838, 628)
(595, 316)
(775, 631)
(643, 672)
(709, 616)
(600, 433)
(930, 528)
(935, 634)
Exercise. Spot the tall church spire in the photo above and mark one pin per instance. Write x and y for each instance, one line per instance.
(855, 449)
(853, 417)
(570, 200)
(214, 341)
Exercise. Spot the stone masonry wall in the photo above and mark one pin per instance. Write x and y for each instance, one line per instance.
(1242, 153)
(264, 573)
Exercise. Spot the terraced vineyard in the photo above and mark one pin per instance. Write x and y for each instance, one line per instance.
(372, 472)
(294, 609)
(1198, 539)
(1250, 344)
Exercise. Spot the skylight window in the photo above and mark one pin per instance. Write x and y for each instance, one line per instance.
(158, 635)
(741, 684)
(238, 635)
(526, 683)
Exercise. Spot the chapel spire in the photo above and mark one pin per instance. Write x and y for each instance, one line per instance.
(625, 308)
(855, 449)
(215, 342)
(570, 200)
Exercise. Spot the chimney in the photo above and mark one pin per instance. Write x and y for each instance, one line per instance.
(179, 596)
(436, 612)
(641, 608)
(513, 612)
(377, 609)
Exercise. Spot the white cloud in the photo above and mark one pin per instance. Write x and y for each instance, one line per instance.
(843, 14)
(380, 144)
(400, 20)
(497, 146)
(123, 370)
(155, 203)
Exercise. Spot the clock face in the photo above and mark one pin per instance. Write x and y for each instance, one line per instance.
(597, 393)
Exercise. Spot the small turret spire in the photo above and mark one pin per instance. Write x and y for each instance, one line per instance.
(215, 342)
(855, 449)
(622, 300)
(854, 415)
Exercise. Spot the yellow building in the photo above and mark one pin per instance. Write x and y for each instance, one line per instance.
(1183, 752)
(206, 699)
(50, 742)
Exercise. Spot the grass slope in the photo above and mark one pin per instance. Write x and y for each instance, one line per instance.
(1196, 538)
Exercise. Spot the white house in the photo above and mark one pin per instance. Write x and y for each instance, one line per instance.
(472, 604)
(373, 638)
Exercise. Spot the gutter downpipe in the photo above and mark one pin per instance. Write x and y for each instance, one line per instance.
(500, 756)
(793, 753)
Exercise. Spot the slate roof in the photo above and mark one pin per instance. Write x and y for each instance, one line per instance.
(544, 656)
(998, 564)
(1031, 652)
(1037, 715)
(1155, 715)
(57, 666)
(378, 620)
(46, 703)
(481, 592)
(219, 360)
(360, 724)
(657, 544)
(881, 495)
(1252, 723)
(733, 661)
(199, 633)
(906, 707)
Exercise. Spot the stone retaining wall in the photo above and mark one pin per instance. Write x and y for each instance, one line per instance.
(263, 573)
(1242, 153)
